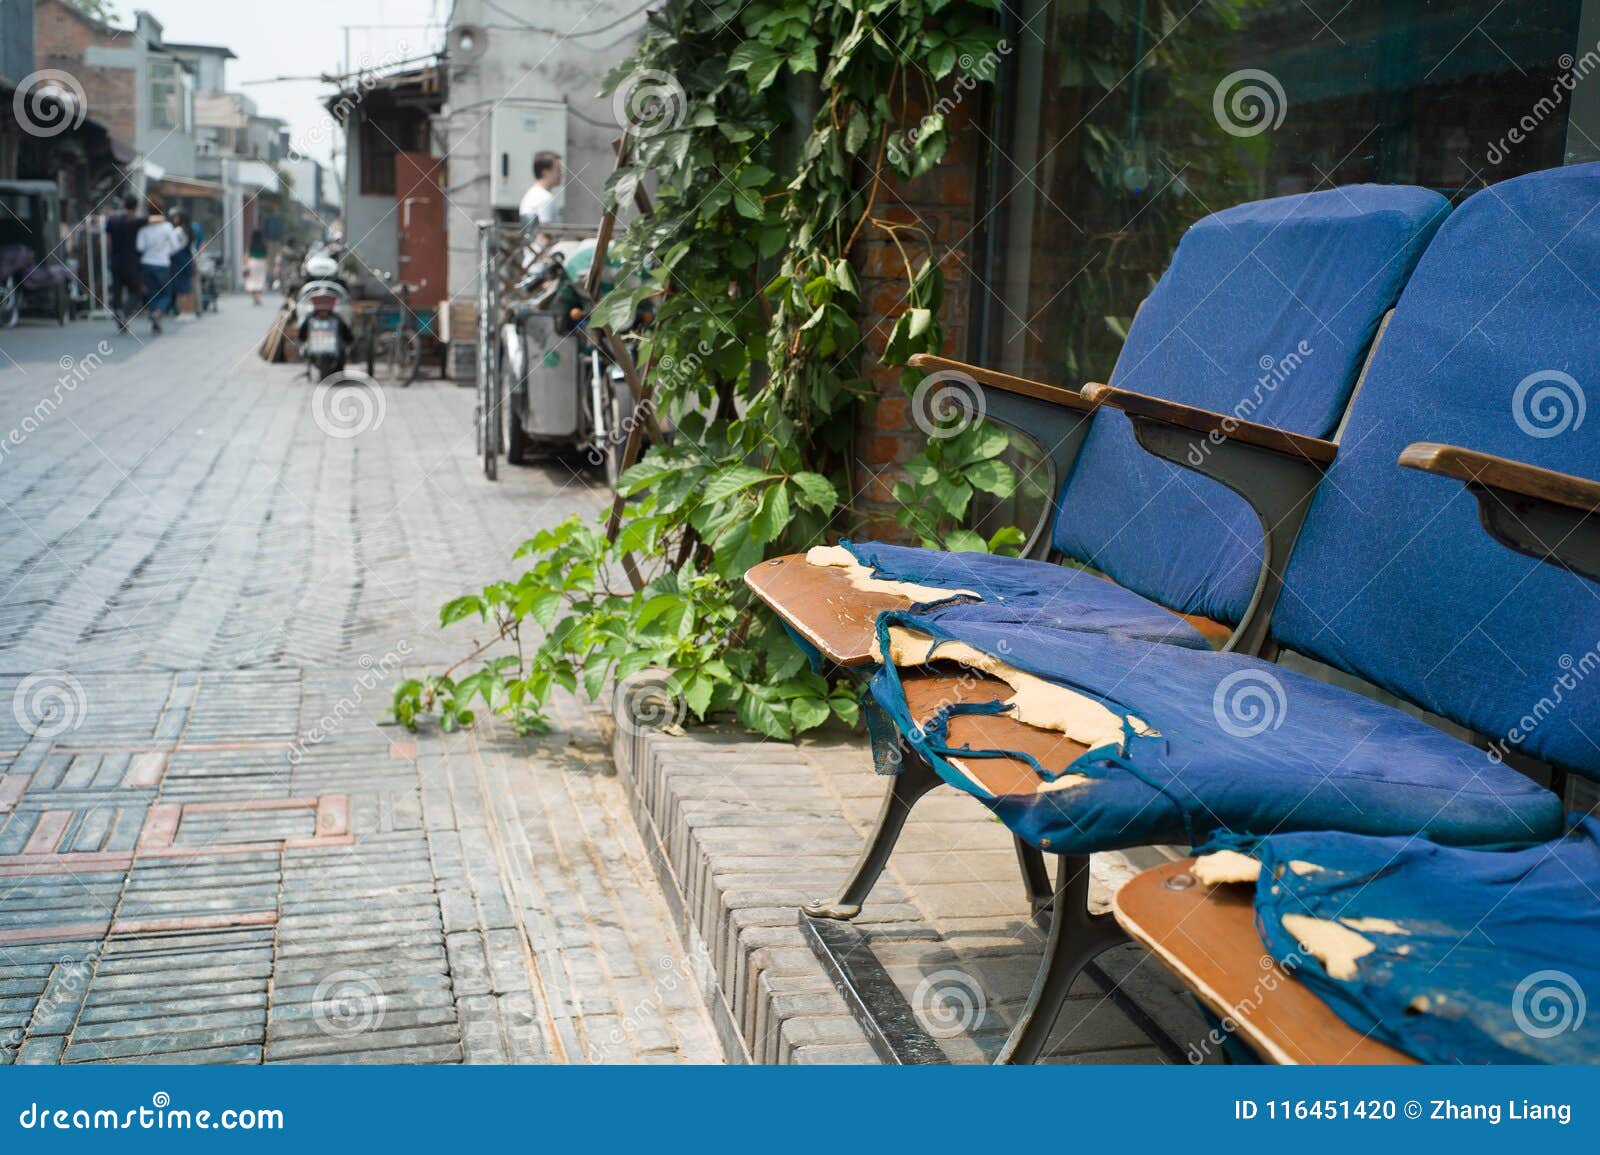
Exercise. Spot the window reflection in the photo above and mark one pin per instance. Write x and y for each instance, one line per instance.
(1130, 119)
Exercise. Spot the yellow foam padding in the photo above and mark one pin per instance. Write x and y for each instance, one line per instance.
(837, 557)
(1337, 943)
(1034, 701)
(1223, 867)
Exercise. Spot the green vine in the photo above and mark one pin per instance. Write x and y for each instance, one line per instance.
(757, 356)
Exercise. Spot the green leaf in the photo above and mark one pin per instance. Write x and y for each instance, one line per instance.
(456, 609)
(772, 516)
(992, 476)
(965, 541)
(808, 713)
(731, 480)
(816, 491)
(762, 716)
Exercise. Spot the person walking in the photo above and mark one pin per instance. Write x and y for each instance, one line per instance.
(182, 267)
(255, 267)
(122, 237)
(157, 242)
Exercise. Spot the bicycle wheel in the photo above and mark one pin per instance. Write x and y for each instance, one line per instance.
(397, 357)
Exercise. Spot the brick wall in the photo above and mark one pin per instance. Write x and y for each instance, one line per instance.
(943, 204)
(61, 37)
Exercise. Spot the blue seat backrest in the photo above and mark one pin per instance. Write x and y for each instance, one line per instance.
(1493, 346)
(1266, 312)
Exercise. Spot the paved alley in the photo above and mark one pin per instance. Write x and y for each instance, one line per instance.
(211, 849)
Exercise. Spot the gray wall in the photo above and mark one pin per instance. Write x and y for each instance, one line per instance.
(370, 225)
(551, 60)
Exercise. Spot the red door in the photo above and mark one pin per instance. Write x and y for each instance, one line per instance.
(419, 197)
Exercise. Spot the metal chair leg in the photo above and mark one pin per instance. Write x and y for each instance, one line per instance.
(1035, 880)
(1076, 938)
(915, 779)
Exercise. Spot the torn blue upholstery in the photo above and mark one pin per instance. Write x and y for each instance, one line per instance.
(1059, 597)
(1266, 313)
(1239, 745)
(1494, 346)
(1500, 949)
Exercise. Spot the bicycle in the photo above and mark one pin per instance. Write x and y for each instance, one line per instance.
(394, 355)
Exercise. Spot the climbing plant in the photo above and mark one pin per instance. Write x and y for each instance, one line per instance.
(770, 128)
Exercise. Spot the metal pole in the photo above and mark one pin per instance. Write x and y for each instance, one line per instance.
(488, 403)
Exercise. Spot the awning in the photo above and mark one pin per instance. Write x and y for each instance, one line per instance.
(183, 186)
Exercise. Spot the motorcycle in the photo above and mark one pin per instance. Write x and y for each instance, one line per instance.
(560, 388)
(324, 317)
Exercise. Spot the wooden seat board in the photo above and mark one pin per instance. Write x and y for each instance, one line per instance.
(931, 689)
(1207, 937)
(822, 606)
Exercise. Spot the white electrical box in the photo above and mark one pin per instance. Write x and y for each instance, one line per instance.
(517, 130)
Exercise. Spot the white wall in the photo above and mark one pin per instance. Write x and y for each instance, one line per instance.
(553, 60)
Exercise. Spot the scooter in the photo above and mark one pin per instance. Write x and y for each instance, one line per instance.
(559, 388)
(324, 317)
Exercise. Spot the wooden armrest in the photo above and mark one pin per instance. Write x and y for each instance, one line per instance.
(1220, 425)
(1071, 398)
(1538, 512)
(1207, 937)
(1476, 468)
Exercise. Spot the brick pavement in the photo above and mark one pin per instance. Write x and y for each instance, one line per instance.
(209, 849)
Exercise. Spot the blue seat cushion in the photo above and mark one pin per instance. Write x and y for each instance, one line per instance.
(1491, 953)
(1267, 313)
(1494, 346)
(1237, 745)
(1052, 596)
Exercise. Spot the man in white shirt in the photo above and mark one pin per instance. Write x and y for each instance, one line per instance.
(157, 242)
(541, 204)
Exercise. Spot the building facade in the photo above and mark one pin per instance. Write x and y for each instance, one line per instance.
(525, 74)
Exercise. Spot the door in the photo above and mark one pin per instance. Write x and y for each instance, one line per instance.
(419, 202)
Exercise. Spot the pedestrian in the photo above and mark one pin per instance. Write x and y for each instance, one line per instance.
(541, 204)
(182, 267)
(127, 284)
(157, 242)
(255, 266)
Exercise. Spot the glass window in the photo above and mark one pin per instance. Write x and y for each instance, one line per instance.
(166, 95)
(1127, 120)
